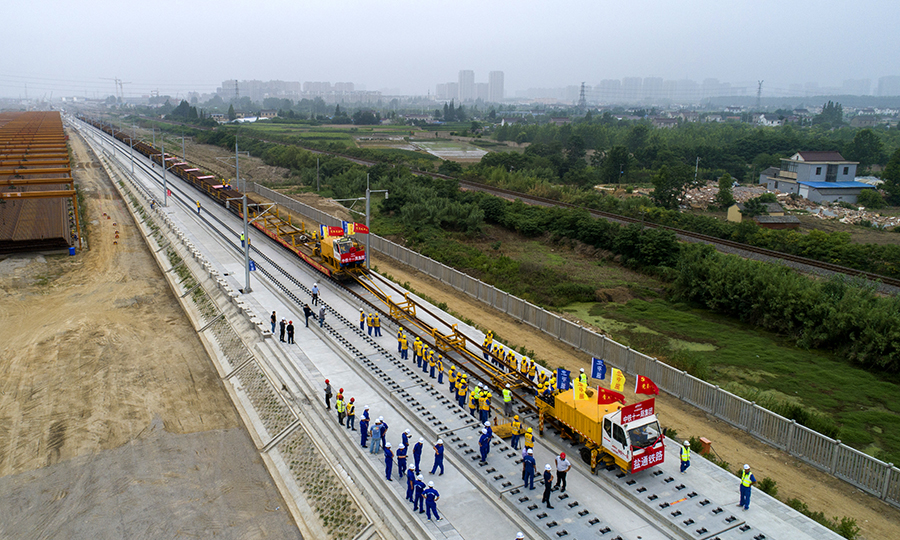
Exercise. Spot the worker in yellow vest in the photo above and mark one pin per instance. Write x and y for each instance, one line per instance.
(507, 401)
(439, 363)
(582, 377)
(432, 365)
(461, 389)
(523, 366)
(404, 347)
(376, 320)
(426, 359)
(685, 456)
(542, 377)
(370, 322)
(473, 400)
(531, 371)
(529, 442)
(486, 345)
(417, 351)
(516, 429)
(362, 319)
(351, 415)
(484, 400)
(552, 385)
(340, 408)
(451, 376)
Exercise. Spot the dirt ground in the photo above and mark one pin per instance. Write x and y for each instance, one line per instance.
(820, 491)
(99, 361)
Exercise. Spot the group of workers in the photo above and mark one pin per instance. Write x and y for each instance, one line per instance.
(374, 437)
(372, 321)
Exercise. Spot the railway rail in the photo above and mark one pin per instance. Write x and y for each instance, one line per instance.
(649, 496)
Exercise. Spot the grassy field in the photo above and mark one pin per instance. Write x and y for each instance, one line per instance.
(747, 361)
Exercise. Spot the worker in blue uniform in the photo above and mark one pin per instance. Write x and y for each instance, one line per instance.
(388, 461)
(401, 460)
(490, 430)
(438, 456)
(484, 445)
(364, 432)
(528, 467)
(384, 428)
(418, 502)
(410, 483)
(375, 434)
(431, 498)
(404, 437)
(366, 412)
(417, 453)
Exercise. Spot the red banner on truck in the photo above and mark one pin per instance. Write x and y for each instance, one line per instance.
(648, 457)
(637, 411)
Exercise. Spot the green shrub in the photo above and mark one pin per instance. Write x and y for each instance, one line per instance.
(768, 486)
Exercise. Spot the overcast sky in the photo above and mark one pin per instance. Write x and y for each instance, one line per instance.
(67, 47)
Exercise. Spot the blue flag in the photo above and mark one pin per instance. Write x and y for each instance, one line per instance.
(598, 369)
(563, 379)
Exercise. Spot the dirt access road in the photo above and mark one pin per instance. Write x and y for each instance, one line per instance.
(113, 422)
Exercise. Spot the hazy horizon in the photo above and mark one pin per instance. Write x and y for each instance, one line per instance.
(412, 46)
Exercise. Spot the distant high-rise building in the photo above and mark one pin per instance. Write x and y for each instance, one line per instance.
(631, 88)
(652, 88)
(610, 90)
(889, 86)
(343, 87)
(482, 91)
(857, 87)
(495, 86)
(466, 85)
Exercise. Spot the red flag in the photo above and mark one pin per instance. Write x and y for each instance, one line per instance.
(360, 228)
(605, 397)
(644, 385)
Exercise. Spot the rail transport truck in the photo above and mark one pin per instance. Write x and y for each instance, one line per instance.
(627, 436)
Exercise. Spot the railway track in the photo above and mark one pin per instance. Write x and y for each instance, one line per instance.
(646, 498)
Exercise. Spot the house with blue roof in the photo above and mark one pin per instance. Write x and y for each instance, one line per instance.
(817, 176)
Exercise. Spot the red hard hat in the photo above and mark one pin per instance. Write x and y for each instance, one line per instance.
(562, 455)
(341, 390)
(327, 381)
(290, 322)
(352, 399)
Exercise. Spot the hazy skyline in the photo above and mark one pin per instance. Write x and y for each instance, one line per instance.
(68, 48)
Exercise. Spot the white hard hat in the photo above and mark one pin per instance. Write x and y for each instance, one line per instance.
(361, 310)
(421, 439)
(520, 536)
(582, 370)
(487, 424)
(480, 385)
(400, 446)
(547, 467)
(380, 418)
(440, 441)
(687, 443)
(530, 451)
(483, 431)
(366, 407)
(387, 445)
(430, 484)
(419, 477)
(412, 467)
(746, 467)
(406, 431)
(507, 385)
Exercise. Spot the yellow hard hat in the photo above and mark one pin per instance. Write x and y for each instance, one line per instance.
(516, 417)
(529, 430)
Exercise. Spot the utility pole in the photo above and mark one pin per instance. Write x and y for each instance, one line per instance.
(317, 175)
(162, 160)
(759, 97)
(368, 199)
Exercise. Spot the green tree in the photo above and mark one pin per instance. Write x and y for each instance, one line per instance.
(891, 177)
(832, 115)
(866, 148)
(870, 198)
(614, 165)
(231, 115)
(669, 186)
(754, 207)
(725, 197)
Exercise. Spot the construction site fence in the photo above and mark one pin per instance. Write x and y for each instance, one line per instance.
(824, 453)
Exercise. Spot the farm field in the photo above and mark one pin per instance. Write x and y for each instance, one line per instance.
(453, 150)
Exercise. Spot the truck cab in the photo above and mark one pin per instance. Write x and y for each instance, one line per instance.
(635, 445)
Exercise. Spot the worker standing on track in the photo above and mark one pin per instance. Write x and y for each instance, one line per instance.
(362, 319)
(388, 461)
(507, 401)
(432, 364)
(516, 432)
(440, 368)
(429, 358)
(404, 438)
(364, 432)
(529, 441)
(198, 208)
(747, 481)
(461, 388)
(528, 466)
(685, 456)
(562, 468)
(431, 498)
(417, 453)
(290, 332)
(484, 445)
(418, 499)
(274, 320)
(370, 324)
(486, 345)
(351, 415)
(401, 460)
(473, 400)
(451, 377)
(417, 351)
(375, 434)
(315, 294)
(339, 407)
(384, 429)
(485, 401)
(438, 457)
(490, 431)
(404, 348)
(377, 321)
(306, 313)
(410, 483)
(548, 485)
(531, 370)
(327, 395)
(281, 327)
